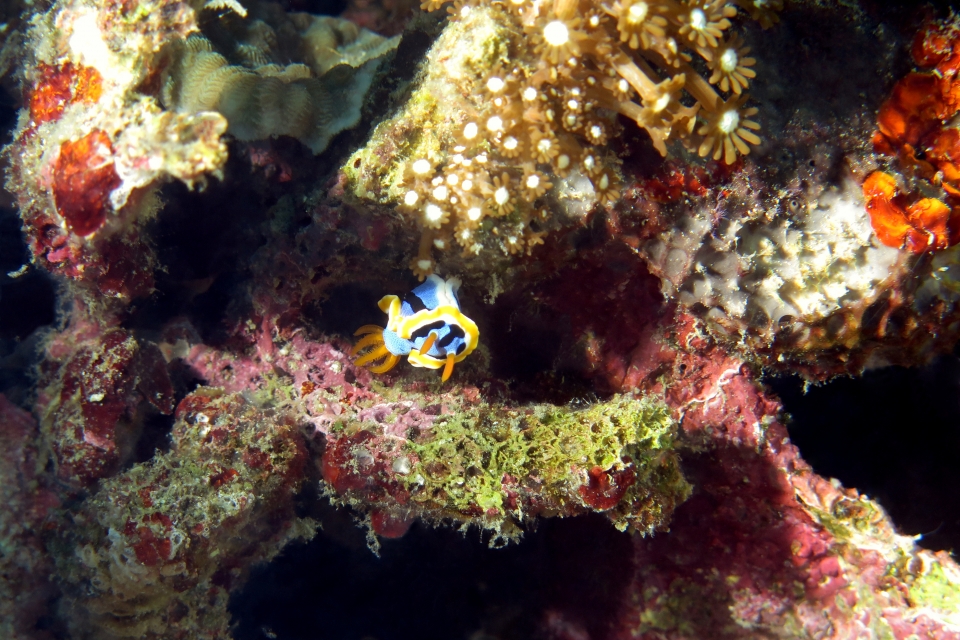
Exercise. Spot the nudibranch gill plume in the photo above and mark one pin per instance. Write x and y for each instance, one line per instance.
(427, 327)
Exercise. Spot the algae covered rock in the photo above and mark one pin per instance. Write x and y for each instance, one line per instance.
(500, 467)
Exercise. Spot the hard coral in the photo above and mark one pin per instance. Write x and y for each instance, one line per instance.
(785, 259)
(311, 101)
(524, 90)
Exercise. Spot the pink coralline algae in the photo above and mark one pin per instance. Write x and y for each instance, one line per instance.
(95, 388)
(767, 546)
(165, 541)
(197, 408)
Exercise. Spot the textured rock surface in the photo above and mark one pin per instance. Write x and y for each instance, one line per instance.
(195, 406)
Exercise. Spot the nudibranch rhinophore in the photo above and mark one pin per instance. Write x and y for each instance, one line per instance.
(427, 327)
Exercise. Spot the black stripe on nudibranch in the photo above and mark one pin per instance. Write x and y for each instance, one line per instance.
(424, 331)
(414, 301)
(455, 332)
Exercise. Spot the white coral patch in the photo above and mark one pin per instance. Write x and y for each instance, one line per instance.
(88, 45)
(808, 265)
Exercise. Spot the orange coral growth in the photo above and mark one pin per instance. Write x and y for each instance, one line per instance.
(912, 111)
(925, 225)
(945, 155)
(937, 45)
(914, 125)
(58, 87)
(932, 44)
(83, 177)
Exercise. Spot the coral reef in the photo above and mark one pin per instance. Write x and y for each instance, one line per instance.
(783, 259)
(91, 147)
(633, 257)
(767, 547)
(517, 100)
(498, 468)
(25, 564)
(120, 101)
(96, 386)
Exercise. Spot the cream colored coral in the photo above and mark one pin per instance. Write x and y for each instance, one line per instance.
(728, 130)
(305, 101)
(731, 66)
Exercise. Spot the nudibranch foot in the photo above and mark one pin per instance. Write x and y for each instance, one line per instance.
(427, 326)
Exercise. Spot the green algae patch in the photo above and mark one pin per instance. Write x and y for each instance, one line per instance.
(935, 588)
(437, 106)
(495, 464)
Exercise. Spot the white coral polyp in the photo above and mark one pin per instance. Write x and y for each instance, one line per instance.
(729, 122)
(729, 61)
(495, 84)
(433, 214)
(698, 20)
(556, 33)
(637, 13)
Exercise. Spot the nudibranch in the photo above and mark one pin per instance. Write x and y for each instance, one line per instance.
(427, 327)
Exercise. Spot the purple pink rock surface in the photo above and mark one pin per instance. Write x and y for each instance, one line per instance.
(196, 406)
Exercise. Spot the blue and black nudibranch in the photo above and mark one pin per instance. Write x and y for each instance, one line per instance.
(427, 327)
